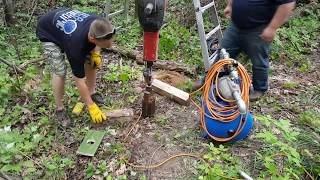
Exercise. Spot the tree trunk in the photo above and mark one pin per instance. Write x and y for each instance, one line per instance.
(9, 11)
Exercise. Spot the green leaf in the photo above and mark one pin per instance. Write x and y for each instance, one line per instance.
(89, 170)
(12, 168)
(268, 137)
(28, 164)
(124, 77)
(272, 168)
(265, 120)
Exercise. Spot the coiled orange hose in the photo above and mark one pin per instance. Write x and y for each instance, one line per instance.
(214, 107)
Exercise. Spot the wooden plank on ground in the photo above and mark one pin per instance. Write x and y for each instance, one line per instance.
(171, 92)
(120, 113)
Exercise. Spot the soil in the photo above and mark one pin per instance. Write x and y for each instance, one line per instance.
(175, 129)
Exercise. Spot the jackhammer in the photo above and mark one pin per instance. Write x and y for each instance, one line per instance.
(150, 14)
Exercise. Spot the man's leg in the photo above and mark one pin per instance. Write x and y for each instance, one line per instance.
(58, 90)
(58, 70)
(230, 41)
(258, 51)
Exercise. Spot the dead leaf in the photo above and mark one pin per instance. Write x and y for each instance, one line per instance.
(121, 170)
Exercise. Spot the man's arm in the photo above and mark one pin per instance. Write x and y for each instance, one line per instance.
(83, 91)
(228, 10)
(280, 17)
(96, 114)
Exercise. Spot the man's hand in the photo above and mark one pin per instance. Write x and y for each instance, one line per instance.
(281, 16)
(228, 11)
(268, 34)
(95, 59)
(97, 116)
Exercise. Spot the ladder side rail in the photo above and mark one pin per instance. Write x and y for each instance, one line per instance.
(201, 31)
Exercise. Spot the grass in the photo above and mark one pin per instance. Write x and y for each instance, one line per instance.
(310, 118)
(290, 85)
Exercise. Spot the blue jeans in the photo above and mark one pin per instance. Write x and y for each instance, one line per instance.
(236, 40)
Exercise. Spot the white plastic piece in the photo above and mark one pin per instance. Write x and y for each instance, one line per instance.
(116, 13)
(224, 88)
(224, 54)
(245, 175)
(240, 103)
(230, 90)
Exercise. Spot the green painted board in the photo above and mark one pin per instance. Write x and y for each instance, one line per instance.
(90, 143)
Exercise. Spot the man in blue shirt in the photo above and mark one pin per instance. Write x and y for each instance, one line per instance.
(79, 36)
(253, 27)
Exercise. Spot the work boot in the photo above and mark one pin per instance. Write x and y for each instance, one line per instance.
(62, 118)
(198, 84)
(255, 95)
(97, 98)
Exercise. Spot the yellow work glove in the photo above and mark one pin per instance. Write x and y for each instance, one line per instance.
(97, 116)
(95, 59)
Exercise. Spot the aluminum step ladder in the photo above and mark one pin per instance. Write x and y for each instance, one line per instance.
(216, 32)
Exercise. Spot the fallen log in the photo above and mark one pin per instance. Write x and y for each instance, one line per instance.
(160, 64)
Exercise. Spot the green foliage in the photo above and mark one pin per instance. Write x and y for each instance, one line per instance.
(16, 147)
(90, 170)
(7, 85)
(176, 42)
(310, 118)
(9, 115)
(121, 73)
(297, 39)
(290, 85)
(225, 165)
(187, 86)
(179, 43)
(280, 138)
(162, 120)
(18, 45)
(55, 166)
(130, 37)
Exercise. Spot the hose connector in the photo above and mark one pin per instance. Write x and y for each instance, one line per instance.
(240, 102)
(224, 54)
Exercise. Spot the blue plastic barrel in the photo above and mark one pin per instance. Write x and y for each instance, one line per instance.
(226, 129)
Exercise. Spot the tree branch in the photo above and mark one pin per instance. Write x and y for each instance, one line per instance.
(23, 65)
(14, 67)
(160, 64)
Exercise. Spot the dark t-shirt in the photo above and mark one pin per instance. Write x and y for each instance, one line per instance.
(250, 14)
(69, 30)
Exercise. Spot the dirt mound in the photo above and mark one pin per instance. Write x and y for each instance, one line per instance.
(171, 77)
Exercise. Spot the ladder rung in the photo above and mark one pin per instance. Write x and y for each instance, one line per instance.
(116, 13)
(212, 58)
(212, 32)
(212, 55)
(202, 9)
